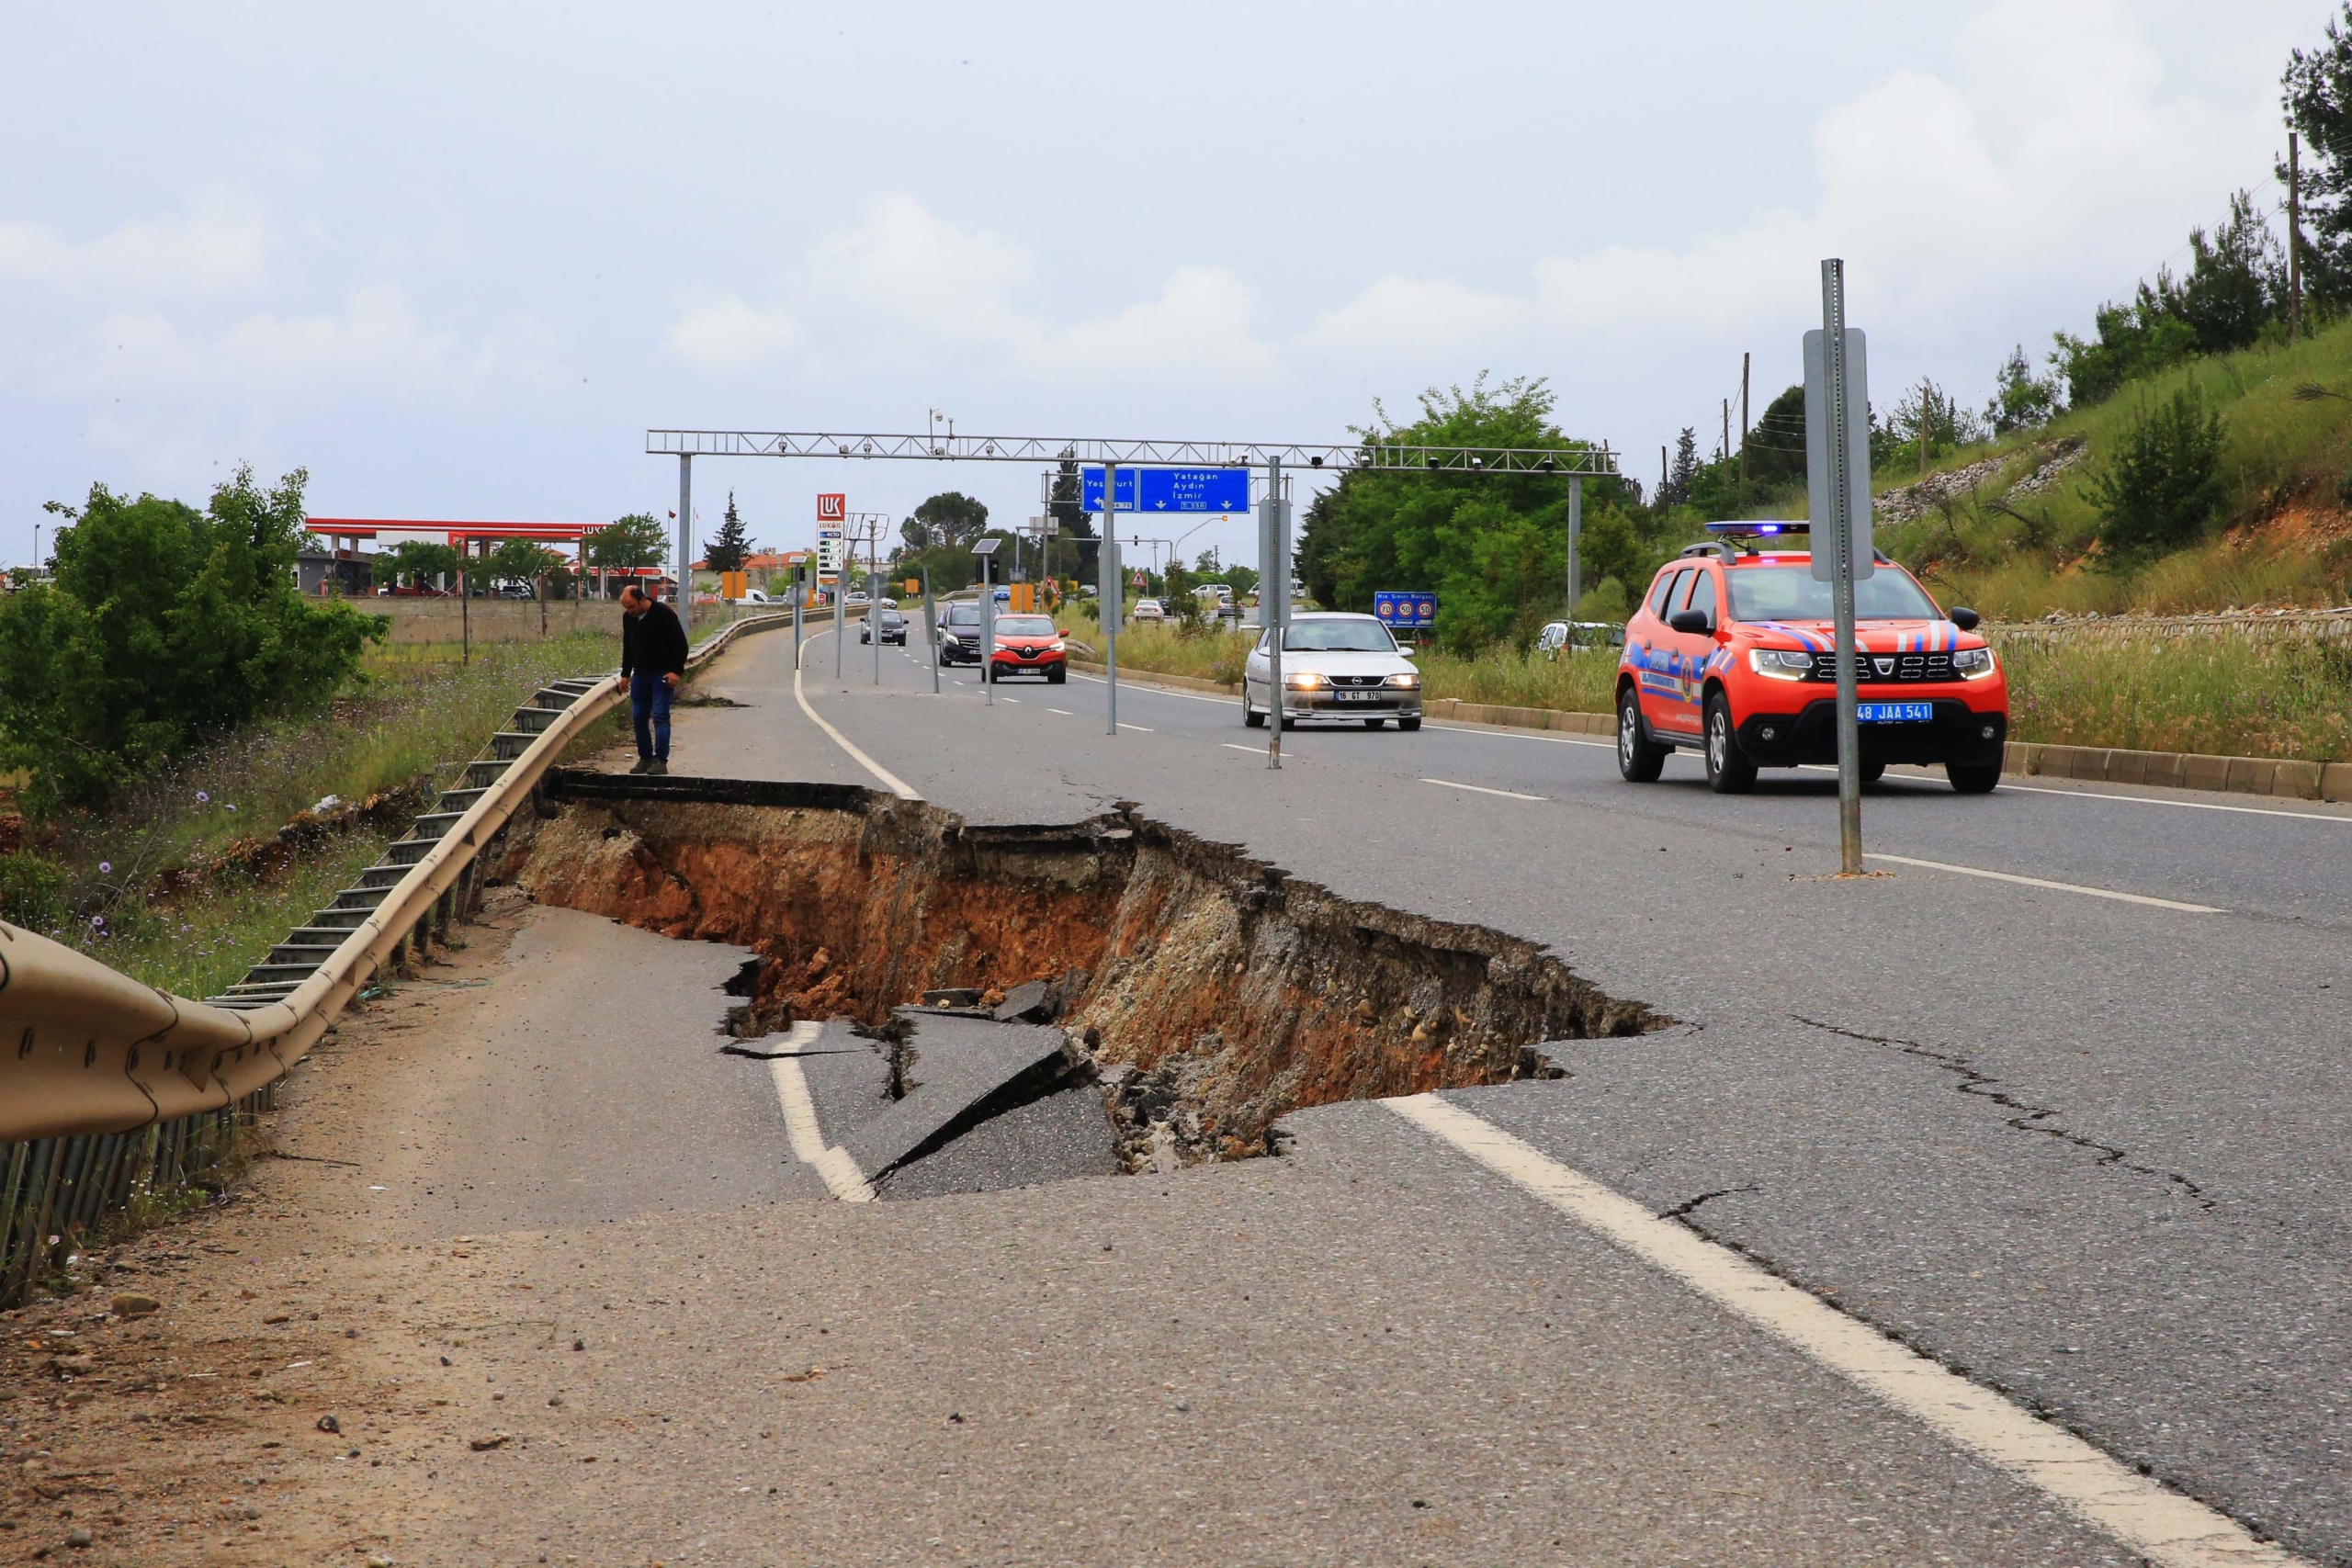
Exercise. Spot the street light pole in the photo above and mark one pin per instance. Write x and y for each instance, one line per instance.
(685, 539)
(1111, 595)
(1277, 568)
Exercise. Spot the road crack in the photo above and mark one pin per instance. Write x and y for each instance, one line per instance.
(1684, 1210)
(2028, 1118)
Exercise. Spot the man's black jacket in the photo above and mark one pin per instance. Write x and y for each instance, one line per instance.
(654, 643)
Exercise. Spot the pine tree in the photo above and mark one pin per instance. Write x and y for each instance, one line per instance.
(1686, 467)
(729, 545)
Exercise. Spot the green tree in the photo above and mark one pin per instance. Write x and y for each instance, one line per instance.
(952, 518)
(1493, 547)
(163, 625)
(2164, 483)
(517, 560)
(2237, 280)
(1686, 468)
(418, 563)
(628, 544)
(1928, 410)
(1774, 447)
(2021, 400)
(730, 544)
(1065, 505)
(2316, 90)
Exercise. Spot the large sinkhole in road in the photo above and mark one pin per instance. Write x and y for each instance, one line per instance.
(1201, 994)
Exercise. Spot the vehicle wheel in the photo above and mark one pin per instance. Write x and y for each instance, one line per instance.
(1729, 771)
(1638, 758)
(1251, 717)
(1973, 778)
(1410, 725)
(1873, 771)
(1375, 723)
(1056, 677)
(1289, 723)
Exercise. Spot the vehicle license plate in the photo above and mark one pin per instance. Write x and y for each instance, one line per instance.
(1355, 696)
(1894, 713)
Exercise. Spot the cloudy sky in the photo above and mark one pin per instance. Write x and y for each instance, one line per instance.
(455, 258)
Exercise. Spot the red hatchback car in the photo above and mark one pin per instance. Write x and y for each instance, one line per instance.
(1027, 644)
(1733, 653)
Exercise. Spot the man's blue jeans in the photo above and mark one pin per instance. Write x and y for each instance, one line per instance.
(649, 709)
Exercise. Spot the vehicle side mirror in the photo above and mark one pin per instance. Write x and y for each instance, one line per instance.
(1965, 619)
(1692, 622)
(1059, 632)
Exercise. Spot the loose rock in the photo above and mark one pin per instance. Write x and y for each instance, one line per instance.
(130, 1304)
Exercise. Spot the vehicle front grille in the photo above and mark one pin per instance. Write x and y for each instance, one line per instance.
(1352, 681)
(1908, 667)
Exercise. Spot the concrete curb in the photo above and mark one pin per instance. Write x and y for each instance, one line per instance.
(2087, 764)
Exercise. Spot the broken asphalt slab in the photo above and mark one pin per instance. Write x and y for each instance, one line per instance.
(963, 1070)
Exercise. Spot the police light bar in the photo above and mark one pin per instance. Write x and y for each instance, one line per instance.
(1752, 529)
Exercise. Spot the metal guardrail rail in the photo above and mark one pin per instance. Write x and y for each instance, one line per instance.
(107, 1083)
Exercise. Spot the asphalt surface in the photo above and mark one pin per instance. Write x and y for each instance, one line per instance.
(2087, 1150)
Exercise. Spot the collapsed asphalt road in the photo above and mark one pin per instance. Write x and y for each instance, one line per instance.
(1383, 1346)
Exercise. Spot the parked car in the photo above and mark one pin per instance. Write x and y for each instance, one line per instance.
(1027, 644)
(894, 627)
(1557, 636)
(1346, 667)
(1149, 610)
(1732, 654)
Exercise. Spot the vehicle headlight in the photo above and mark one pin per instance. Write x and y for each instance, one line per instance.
(1973, 663)
(1781, 663)
(1306, 681)
(1057, 647)
(1407, 679)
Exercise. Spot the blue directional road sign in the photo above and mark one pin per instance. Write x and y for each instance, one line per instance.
(1405, 612)
(1172, 489)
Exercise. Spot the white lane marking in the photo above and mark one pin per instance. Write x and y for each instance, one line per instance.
(1236, 746)
(2184, 804)
(1144, 728)
(898, 786)
(2053, 886)
(1524, 735)
(1011, 699)
(841, 1177)
(1064, 711)
(1157, 690)
(2161, 1525)
(1482, 789)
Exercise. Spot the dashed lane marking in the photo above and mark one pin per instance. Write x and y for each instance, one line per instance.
(2162, 1526)
(1482, 789)
(840, 1174)
(1524, 735)
(1144, 728)
(898, 786)
(1064, 711)
(2053, 886)
(1236, 746)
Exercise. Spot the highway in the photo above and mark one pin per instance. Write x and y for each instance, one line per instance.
(2079, 1136)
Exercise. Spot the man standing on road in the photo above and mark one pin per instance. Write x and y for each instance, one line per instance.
(653, 660)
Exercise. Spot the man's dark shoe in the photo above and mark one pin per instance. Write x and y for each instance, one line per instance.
(656, 766)
(643, 764)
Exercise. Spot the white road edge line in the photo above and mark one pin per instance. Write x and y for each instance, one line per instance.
(2053, 886)
(841, 1177)
(1482, 789)
(2161, 1525)
(1523, 735)
(2184, 804)
(898, 785)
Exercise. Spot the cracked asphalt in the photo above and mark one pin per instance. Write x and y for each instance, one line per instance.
(2089, 1151)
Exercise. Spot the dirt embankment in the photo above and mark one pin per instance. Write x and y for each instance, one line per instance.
(1247, 993)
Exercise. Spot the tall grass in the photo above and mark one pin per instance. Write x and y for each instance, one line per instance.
(2243, 698)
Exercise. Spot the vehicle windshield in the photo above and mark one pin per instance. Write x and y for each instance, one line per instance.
(1793, 593)
(1349, 634)
(1024, 626)
(963, 613)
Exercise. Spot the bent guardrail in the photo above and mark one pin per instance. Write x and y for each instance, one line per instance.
(108, 1074)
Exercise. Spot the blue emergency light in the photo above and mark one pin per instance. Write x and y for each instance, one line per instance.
(1753, 529)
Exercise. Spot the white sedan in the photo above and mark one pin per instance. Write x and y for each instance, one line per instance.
(1334, 666)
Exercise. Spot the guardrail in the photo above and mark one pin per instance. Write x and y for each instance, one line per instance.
(107, 1086)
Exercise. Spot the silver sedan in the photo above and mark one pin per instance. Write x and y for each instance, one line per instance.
(1334, 666)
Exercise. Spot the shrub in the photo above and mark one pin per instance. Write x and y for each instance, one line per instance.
(30, 889)
(2164, 483)
(164, 625)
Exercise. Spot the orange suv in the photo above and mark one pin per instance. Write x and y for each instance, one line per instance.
(1733, 653)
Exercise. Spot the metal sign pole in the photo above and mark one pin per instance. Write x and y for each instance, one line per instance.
(1841, 587)
(988, 632)
(931, 629)
(874, 595)
(685, 539)
(798, 595)
(1575, 545)
(1113, 594)
(1277, 576)
(840, 618)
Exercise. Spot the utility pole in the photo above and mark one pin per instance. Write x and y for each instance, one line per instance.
(1726, 448)
(2294, 237)
(1926, 420)
(1576, 542)
(1743, 431)
(1661, 477)
(685, 539)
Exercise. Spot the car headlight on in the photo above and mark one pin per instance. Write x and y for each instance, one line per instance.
(1973, 663)
(1306, 681)
(1408, 677)
(1057, 647)
(1781, 663)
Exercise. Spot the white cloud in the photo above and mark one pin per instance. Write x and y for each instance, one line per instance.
(901, 279)
(376, 344)
(726, 334)
(211, 250)
(1416, 315)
